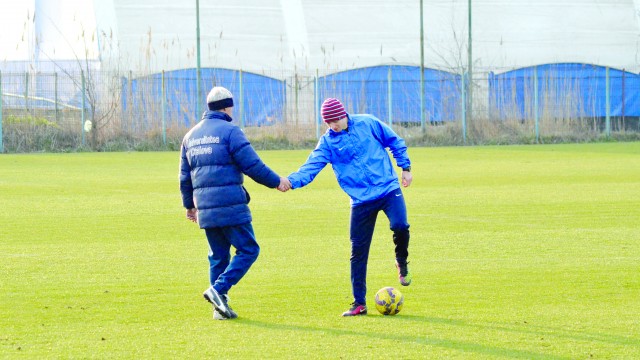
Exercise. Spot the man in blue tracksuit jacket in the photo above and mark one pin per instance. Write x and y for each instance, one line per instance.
(215, 154)
(355, 146)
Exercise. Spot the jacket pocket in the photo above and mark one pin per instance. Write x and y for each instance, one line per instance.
(246, 193)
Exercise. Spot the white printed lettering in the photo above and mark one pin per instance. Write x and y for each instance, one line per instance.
(201, 151)
(205, 140)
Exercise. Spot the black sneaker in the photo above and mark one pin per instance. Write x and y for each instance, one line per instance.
(403, 273)
(356, 309)
(220, 304)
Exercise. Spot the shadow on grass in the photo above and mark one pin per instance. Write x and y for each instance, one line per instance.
(526, 328)
(464, 346)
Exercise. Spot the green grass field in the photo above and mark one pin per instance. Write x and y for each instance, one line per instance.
(517, 252)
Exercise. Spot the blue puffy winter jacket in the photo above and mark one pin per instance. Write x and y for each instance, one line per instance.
(215, 155)
(359, 159)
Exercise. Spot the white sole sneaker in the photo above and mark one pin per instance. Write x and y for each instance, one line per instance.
(218, 316)
(219, 305)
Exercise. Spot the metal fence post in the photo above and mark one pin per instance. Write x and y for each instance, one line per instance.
(130, 99)
(55, 93)
(198, 63)
(535, 103)
(463, 106)
(422, 115)
(607, 96)
(241, 105)
(470, 62)
(623, 98)
(315, 105)
(284, 103)
(164, 105)
(296, 97)
(389, 95)
(83, 105)
(26, 93)
(1, 144)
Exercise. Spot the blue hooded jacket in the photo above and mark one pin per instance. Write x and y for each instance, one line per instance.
(215, 154)
(359, 159)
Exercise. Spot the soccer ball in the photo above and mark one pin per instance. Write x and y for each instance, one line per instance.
(389, 301)
(87, 126)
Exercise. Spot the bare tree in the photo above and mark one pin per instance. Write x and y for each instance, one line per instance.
(100, 89)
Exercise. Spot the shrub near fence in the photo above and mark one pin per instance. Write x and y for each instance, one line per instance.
(47, 112)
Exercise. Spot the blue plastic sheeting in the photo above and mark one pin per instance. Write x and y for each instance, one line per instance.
(367, 90)
(261, 102)
(566, 90)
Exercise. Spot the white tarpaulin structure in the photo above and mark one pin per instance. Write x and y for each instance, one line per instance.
(47, 35)
(281, 36)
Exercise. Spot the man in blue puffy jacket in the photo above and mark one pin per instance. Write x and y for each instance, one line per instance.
(215, 154)
(356, 147)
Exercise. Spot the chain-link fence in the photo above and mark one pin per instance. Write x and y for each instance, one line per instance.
(112, 111)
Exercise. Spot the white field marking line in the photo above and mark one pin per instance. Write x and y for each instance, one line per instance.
(41, 99)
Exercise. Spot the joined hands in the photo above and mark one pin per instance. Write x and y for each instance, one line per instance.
(285, 184)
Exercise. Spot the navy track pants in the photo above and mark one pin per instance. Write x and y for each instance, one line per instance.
(225, 271)
(363, 222)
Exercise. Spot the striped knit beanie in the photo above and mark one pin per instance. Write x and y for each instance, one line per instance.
(332, 110)
(219, 98)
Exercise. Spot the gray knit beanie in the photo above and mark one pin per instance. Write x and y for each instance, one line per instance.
(219, 98)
